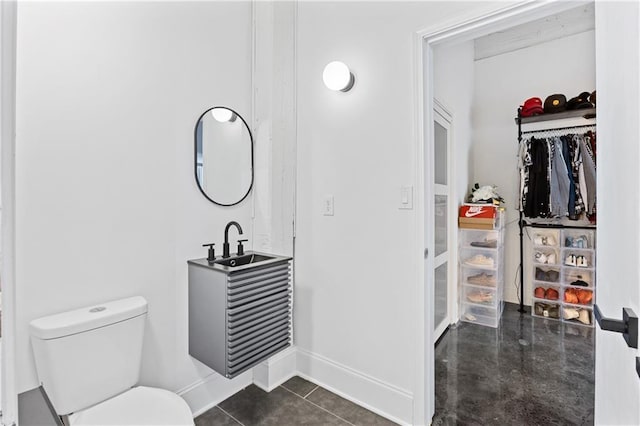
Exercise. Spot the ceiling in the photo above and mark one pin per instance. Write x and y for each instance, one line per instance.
(570, 22)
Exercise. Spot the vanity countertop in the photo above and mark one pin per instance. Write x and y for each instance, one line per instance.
(273, 258)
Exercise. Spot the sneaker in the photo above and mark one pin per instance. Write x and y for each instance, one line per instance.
(584, 317)
(485, 244)
(570, 260)
(544, 240)
(480, 260)
(568, 242)
(541, 257)
(570, 313)
(482, 279)
(551, 258)
(581, 262)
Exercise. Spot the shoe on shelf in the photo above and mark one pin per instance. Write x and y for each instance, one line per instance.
(544, 240)
(570, 260)
(570, 313)
(480, 260)
(541, 257)
(584, 317)
(482, 279)
(485, 244)
(581, 262)
(551, 258)
(580, 283)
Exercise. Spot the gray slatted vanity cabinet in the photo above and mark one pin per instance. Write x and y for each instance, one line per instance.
(239, 315)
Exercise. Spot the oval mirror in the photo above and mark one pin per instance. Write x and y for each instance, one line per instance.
(223, 156)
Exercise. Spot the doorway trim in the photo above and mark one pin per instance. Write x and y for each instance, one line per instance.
(8, 388)
(423, 42)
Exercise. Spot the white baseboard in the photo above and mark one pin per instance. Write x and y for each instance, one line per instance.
(382, 398)
(273, 372)
(212, 390)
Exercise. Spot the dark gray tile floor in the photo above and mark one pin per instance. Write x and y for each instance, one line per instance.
(296, 402)
(528, 371)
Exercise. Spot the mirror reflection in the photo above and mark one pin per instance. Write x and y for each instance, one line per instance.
(224, 156)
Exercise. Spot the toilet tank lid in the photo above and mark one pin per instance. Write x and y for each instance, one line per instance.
(88, 318)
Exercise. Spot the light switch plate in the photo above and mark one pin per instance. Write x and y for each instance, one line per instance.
(327, 205)
(406, 197)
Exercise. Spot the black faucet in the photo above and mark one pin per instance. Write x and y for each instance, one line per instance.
(225, 246)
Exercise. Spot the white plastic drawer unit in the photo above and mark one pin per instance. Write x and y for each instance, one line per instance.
(238, 317)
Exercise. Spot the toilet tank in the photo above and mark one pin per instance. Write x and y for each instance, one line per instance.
(88, 355)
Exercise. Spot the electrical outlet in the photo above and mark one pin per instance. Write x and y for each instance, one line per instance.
(327, 205)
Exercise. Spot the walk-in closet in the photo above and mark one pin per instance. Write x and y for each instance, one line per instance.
(524, 121)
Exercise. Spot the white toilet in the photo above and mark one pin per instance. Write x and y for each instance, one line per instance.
(88, 361)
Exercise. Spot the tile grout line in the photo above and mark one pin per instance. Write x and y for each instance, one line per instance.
(322, 408)
(312, 391)
(224, 411)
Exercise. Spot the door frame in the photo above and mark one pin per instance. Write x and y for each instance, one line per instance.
(8, 23)
(423, 42)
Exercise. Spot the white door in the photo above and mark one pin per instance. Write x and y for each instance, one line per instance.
(441, 226)
(617, 393)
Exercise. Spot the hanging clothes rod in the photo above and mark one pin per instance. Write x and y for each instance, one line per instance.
(557, 129)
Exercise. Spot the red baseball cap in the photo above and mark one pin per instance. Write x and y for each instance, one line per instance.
(532, 106)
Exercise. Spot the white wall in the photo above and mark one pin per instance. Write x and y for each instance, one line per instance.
(618, 274)
(356, 288)
(107, 207)
(503, 82)
(453, 83)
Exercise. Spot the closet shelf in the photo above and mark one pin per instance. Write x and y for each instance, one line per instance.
(586, 113)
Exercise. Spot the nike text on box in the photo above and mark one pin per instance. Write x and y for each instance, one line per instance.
(476, 216)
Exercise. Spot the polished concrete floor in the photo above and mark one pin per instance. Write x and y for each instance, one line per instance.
(528, 371)
(296, 402)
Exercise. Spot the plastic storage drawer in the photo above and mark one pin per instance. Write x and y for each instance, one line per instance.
(481, 315)
(547, 294)
(547, 256)
(576, 276)
(479, 295)
(480, 258)
(481, 277)
(579, 296)
(546, 274)
(578, 238)
(584, 315)
(480, 239)
(546, 309)
(546, 238)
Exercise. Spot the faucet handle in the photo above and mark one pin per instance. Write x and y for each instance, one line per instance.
(211, 256)
(240, 250)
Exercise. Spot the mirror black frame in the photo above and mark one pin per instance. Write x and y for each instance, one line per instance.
(195, 157)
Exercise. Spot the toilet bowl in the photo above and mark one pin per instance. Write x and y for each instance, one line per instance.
(88, 362)
(138, 406)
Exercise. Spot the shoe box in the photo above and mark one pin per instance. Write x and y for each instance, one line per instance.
(479, 295)
(481, 258)
(480, 216)
(482, 315)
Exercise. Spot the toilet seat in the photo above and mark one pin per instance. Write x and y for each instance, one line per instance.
(138, 406)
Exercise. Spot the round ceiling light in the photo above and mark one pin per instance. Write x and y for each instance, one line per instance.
(338, 77)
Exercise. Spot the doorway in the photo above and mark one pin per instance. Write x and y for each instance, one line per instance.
(425, 43)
